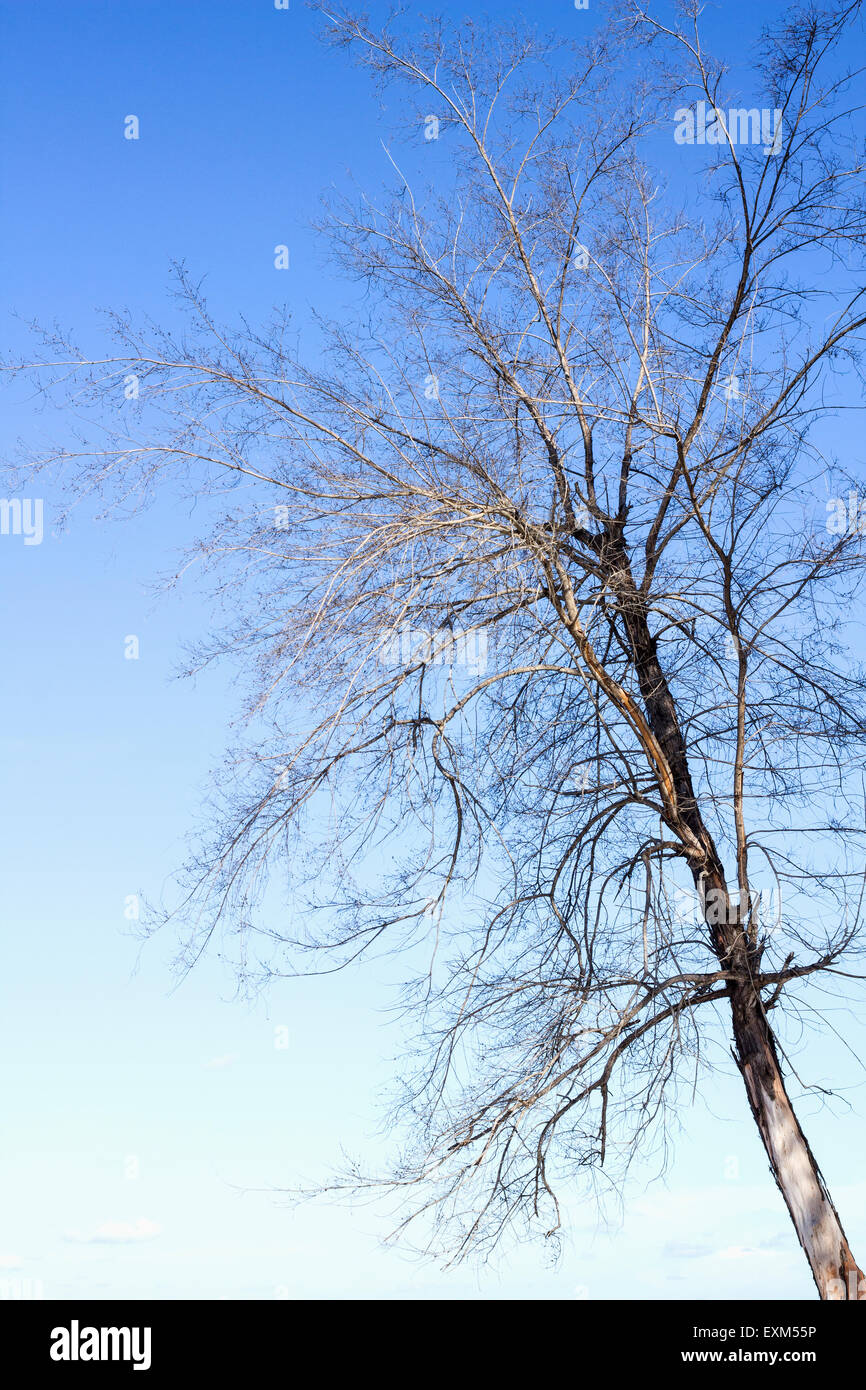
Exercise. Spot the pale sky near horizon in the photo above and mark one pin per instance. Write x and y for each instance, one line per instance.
(148, 1125)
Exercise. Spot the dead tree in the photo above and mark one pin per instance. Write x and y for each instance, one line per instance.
(532, 569)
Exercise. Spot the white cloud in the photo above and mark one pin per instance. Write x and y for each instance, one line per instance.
(683, 1250)
(10, 1261)
(744, 1252)
(220, 1063)
(116, 1233)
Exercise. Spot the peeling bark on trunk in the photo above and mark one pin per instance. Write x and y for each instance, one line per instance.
(798, 1177)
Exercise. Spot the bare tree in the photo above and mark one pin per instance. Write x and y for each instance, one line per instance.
(548, 639)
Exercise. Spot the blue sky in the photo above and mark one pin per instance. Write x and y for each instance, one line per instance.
(144, 1123)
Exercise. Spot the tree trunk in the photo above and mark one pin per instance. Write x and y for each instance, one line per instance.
(819, 1230)
(798, 1177)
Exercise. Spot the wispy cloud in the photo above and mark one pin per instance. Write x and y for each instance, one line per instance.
(116, 1233)
(682, 1250)
(745, 1252)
